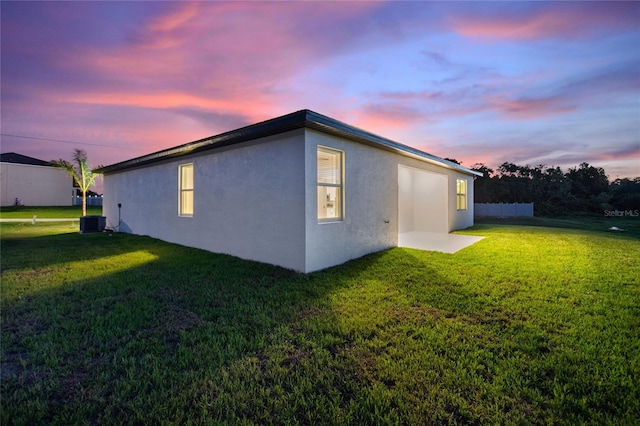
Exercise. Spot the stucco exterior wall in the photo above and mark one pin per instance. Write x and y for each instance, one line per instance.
(258, 200)
(371, 199)
(460, 219)
(368, 204)
(248, 201)
(422, 201)
(35, 185)
(456, 219)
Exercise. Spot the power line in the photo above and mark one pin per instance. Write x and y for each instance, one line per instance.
(59, 140)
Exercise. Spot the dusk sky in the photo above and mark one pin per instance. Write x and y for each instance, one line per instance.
(554, 83)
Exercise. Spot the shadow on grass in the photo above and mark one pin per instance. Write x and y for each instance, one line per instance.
(126, 329)
(115, 327)
(66, 330)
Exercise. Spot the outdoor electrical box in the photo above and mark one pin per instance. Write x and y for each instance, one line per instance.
(92, 224)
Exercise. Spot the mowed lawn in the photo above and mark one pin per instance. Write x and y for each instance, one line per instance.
(64, 212)
(531, 325)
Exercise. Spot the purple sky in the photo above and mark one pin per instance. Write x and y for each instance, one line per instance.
(555, 83)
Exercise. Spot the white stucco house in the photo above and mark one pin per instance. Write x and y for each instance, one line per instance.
(32, 182)
(303, 191)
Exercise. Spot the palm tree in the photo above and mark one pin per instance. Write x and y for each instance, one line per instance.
(81, 172)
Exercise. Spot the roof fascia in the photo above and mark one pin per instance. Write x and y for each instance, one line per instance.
(296, 120)
(329, 125)
(254, 131)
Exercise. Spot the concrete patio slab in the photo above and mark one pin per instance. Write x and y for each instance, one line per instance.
(446, 243)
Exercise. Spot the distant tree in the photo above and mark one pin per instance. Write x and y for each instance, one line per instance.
(546, 187)
(482, 168)
(515, 183)
(483, 188)
(625, 194)
(587, 180)
(81, 172)
(553, 194)
(453, 160)
(581, 189)
(589, 185)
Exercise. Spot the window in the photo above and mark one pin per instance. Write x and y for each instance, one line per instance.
(330, 184)
(185, 185)
(461, 194)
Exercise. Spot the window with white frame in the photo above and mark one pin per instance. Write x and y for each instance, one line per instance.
(330, 184)
(461, 194)
(185, 193)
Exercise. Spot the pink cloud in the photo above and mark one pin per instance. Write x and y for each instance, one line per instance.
(379, 116)
(175, 19)
(415, 108)
(187, 73)
(564, 20)
(528, 97)
(623, 153)
(551, 154)
(164, 74)
(535, 27)
(200, 55)
(168, 100)
(529, 108)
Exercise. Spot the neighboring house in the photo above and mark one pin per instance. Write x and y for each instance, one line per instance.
(31, 182)
(303, 191)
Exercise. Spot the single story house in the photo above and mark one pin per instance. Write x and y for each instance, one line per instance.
(29, 181)
(303, 191)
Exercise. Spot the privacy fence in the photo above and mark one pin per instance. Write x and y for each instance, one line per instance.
(503, 209)
(91, 201)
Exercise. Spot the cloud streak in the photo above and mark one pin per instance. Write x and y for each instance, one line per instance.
(456, 80)
(546, 20)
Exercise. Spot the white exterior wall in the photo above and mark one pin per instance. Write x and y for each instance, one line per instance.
(422, 201)
(371, 198)
(248, 201)
(368, 189)
(460, 219)
(258, 201)
(35, 185)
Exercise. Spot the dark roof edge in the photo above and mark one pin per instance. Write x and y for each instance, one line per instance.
(265, 128)
(296, 120)
(15, 158)
(338, 128)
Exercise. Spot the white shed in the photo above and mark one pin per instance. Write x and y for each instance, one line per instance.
(302, 191)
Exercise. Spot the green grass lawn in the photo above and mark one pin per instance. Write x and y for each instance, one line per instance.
(630, 225)
(531, 325)
(25, 212)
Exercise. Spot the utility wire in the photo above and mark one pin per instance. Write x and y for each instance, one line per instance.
(58, 140)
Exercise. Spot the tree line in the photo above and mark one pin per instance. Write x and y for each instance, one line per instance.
(554, 192)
